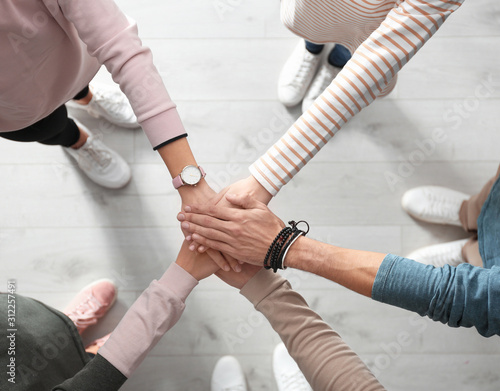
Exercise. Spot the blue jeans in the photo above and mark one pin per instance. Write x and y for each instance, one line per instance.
(338, 57)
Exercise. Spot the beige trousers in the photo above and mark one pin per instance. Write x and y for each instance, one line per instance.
(469, 213)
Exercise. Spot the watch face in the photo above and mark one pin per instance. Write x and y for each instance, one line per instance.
(191, 175)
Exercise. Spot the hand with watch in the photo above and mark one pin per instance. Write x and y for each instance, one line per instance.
(248, 187)
(189, 178)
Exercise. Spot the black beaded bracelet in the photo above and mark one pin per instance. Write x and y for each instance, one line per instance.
(276, 253)
(273, 244)
(277, 249)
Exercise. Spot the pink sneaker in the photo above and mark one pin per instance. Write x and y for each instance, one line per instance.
(91, 303)
(94, 346)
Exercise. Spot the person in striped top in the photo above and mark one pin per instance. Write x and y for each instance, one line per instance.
(382, 35)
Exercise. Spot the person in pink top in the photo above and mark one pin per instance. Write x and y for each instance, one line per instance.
(51, 50)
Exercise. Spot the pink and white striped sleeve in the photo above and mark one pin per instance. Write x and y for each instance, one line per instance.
(372, 67)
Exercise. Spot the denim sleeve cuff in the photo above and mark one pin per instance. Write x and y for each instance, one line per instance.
(381, 279)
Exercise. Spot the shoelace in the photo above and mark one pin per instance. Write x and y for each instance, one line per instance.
(91, 154)
(295, 382)
(84, 314)
(304, 70)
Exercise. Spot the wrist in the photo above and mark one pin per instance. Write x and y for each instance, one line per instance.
(298, 254)
(258, 191)
(177, 155)
(190, 192)
(188, 267)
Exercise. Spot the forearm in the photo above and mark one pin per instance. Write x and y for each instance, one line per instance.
(156, 311)
(462, 296)
(383, 54)
(177, 155)
(326, 361)
(354, 269)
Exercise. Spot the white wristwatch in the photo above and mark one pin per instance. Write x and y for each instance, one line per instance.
(190, 175)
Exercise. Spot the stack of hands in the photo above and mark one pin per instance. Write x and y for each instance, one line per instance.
(230, 234)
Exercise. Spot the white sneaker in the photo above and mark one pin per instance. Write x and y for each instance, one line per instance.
(439, 255)
(109, 103)
(287, 373)
(100, 163)
(228, 375)
(434, 204)
(323, 79)
(297, 74)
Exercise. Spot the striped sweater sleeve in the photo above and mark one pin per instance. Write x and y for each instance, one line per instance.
(372, 67)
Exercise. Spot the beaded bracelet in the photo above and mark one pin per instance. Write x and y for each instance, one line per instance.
(276, 253)
(285, 231)
(277, 249)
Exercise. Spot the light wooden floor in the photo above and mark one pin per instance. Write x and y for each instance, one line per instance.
(59, 232)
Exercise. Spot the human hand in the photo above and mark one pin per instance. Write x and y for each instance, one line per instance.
(244, 234)
(202, 194)
(199, 194)
(238, 280)
(248, 186)
(198, 265)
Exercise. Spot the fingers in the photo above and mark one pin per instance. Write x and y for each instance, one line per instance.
(214, 245)
(204, 238)
(208, 233)
(235, 265)
(203, 221)
(225, 262)
(239, 280)
(245, 201)
(219, 212)
(219, 196)
(219, 259)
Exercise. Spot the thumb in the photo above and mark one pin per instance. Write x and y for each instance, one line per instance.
(245, 201)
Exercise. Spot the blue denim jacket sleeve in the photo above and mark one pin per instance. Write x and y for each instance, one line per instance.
(462, 296)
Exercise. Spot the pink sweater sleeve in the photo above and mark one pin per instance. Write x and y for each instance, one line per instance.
(113, 39)
(155, 312)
